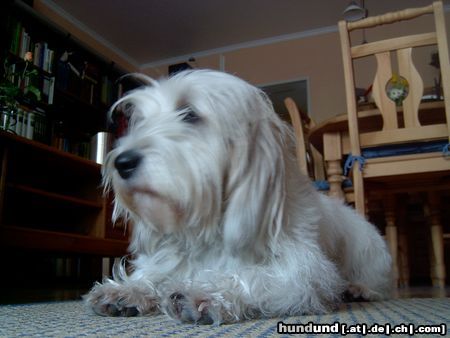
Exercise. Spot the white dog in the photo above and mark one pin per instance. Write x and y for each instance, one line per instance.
(224, 226)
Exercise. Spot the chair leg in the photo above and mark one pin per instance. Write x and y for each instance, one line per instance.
(334, 174)
(333, 156)
(437, 241)
(391, 233)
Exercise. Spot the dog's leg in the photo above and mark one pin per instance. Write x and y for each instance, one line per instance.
(126, 299)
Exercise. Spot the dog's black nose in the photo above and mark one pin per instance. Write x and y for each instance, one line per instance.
(127, 162)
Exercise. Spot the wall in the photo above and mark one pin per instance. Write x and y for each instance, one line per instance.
(317, 58)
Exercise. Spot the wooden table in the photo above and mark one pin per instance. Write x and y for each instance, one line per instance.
(331, 138)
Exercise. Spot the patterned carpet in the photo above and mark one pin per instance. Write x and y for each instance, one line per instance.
(71, 319)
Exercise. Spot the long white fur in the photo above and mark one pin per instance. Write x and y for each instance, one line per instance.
(222, 215)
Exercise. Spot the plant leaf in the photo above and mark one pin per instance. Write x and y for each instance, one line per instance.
(35, 91)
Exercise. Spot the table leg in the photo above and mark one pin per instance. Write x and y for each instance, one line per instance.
(391, 232)
(437, 241)
(403, 263)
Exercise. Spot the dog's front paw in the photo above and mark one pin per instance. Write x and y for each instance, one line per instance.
(118, 300)
(360, 293)
(189, 310)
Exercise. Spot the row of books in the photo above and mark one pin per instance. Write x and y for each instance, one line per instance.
(32, 124)
(26, 122)
(79, 78)
(80, 148)
(73, 73)
(43, 56)
(21, 43)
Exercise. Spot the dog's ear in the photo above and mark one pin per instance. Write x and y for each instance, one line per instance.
(255, 188)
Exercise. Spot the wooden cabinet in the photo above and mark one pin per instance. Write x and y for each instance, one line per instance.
(53, 200)
(55, 222)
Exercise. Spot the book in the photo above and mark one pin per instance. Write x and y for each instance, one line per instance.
(40, 125)
(15, 38)
(30, 126)
(47, 63)
(51, 92)
(106, 91)
(62, 73)
(48, 88)
(37, 54)
(24, 44)
(42, 54)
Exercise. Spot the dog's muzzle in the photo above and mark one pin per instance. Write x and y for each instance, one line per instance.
(127, 162)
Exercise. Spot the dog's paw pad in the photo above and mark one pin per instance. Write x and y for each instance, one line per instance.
(109, 310)
(176, 300)
(116, 300)
(130, 311)
(189, 310)
(115, 310)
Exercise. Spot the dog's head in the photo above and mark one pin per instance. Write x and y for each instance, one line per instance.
(204, 153)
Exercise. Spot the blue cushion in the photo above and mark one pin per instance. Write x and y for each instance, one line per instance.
(404, 149)
(323, 185)
(347, 183)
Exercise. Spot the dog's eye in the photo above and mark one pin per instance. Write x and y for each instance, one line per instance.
(189, 115)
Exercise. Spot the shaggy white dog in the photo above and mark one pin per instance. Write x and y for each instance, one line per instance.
(224, 226)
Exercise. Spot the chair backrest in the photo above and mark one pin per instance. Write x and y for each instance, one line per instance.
(309, 159)
(401, 121)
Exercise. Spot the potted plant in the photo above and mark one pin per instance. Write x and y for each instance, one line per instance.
(16, 85)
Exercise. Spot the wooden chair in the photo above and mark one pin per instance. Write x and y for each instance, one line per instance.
(402, 123)
(309, 159)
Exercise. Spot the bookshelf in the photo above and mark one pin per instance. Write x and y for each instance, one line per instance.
(50, 191)
(75, 86)
(46, 191)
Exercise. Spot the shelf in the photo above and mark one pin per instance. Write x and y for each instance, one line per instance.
(62, 155)
(73, 98)
(30, 239)
(57, 197)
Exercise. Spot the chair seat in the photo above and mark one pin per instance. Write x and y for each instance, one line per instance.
(440, 147)
(404, 149)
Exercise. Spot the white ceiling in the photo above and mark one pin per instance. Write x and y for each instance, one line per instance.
(151, 32)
